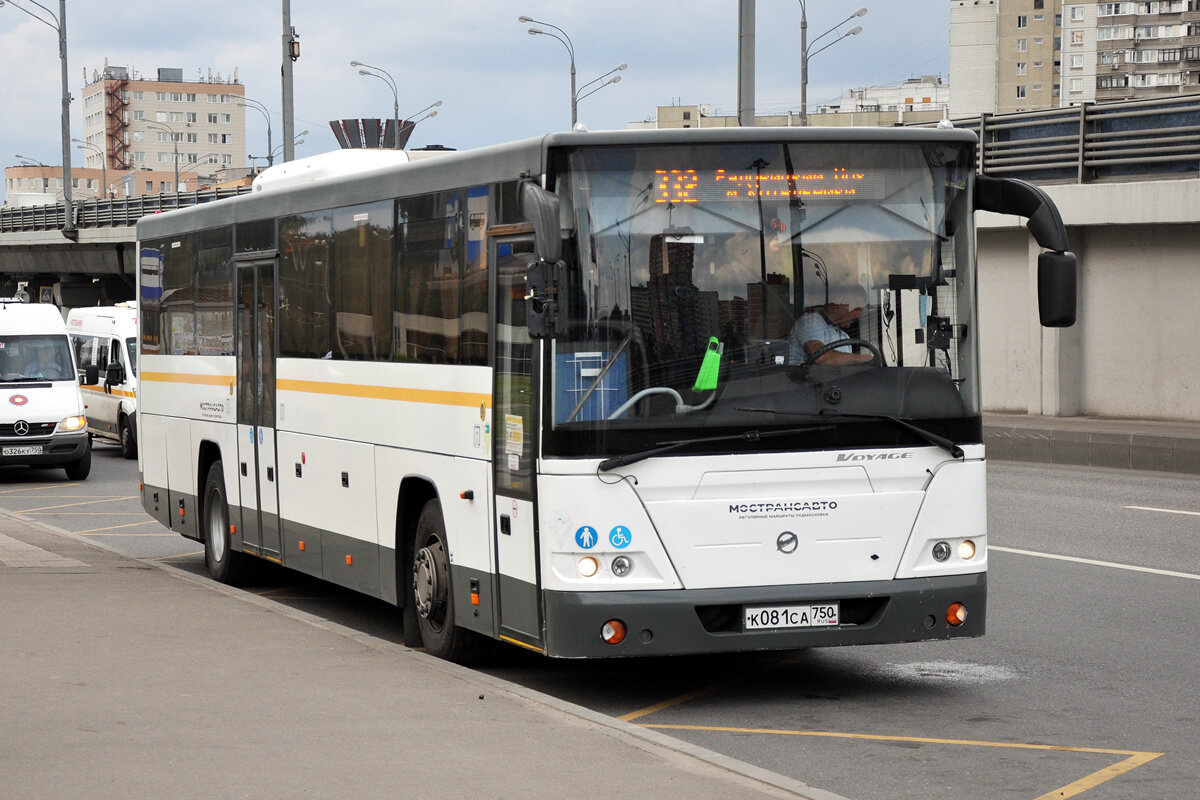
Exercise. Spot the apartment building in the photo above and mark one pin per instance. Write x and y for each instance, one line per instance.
(166, 134)
(1008, 56)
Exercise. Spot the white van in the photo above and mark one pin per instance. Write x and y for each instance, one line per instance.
(106, 338)
(42, 420)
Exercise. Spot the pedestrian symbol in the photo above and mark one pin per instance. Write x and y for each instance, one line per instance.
(620, 537)
(586, 537)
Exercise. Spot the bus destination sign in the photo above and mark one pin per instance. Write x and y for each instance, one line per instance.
(698, 186)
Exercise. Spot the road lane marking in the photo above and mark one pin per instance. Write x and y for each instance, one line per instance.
(100, 531)
(1092, 562)
(85, 503)
(1163, 510)
(34, 486)
(1133, 760)
(716, 687)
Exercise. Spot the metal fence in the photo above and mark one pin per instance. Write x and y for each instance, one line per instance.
(106, 213)
(1132, 140)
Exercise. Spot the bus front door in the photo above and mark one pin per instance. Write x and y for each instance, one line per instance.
(255, 348)
(513, 447)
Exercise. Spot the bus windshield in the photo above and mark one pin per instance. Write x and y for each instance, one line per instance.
(722, 288)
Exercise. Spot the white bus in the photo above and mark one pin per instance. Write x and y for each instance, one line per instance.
(571, 392)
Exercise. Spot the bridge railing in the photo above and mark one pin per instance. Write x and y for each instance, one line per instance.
(107, 213)
(1136, 139)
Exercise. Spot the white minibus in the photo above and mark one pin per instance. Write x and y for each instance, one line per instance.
(42, 420)
(105, 338)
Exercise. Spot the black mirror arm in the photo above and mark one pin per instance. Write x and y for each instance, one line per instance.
(1012, 196)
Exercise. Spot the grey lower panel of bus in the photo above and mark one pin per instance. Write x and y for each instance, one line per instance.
(371, 569)
(710, 620)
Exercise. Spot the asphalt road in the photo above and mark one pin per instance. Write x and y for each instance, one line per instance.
(1083, 687)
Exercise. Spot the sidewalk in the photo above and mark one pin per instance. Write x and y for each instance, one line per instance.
(1094, 441)
(133, 680)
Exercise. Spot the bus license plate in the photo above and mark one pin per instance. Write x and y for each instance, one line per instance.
(28, 450)
(808, 616)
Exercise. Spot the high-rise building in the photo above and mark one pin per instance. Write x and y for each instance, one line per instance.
(187, 133)
(1009, 56)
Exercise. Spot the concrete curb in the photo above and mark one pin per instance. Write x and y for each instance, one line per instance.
(1160, 447)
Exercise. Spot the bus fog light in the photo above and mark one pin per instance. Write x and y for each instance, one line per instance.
(621, 566)
(956, 614)
(588, 566)
(941, 551)
(613, 631)
(966, 550)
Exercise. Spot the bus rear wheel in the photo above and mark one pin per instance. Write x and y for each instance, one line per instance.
(432, 592)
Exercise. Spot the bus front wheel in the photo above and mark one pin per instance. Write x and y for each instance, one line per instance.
(223, 563)
(432, 592)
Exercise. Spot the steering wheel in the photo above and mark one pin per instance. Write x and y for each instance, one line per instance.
(876, 356)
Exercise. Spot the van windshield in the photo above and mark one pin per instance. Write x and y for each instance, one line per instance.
(45, 357)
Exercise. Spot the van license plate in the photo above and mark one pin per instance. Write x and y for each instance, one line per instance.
(807, 616)
(27, 450)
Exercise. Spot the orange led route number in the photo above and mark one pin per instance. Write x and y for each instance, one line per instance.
(694, 186)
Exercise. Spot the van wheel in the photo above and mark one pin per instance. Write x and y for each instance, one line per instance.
(223, 563)
(128, 443)
(433, 594)
(79, 470)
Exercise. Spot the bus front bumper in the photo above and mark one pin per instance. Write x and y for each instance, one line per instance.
(677, 622)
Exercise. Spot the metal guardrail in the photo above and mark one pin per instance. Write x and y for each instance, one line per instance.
(1136, 139)
(106, 213)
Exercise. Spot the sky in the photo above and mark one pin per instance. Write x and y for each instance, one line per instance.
(496, 82)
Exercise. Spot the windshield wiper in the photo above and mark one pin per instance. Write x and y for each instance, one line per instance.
(748, 436)
(926, 435)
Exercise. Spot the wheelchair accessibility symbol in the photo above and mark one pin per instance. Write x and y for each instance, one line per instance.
(620, 537)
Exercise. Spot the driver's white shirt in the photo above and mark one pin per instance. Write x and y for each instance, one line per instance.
(811, 326)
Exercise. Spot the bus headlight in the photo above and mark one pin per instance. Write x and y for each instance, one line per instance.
(966, 550)
(621, 566)
(588, 566)
(941, 551)
(71, 424)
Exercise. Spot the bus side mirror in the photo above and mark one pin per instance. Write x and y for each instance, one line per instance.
(545, 282)
(1056, 289)
(540, 207)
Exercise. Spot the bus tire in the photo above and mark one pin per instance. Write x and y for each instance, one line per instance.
(224, 565)
(432, 593)
(128, 443)
(79, 470)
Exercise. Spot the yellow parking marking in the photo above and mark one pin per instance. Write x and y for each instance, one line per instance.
(34, 486)
(683, 698)
(85, 503)
(181, 555)
(1134, 758)
(100, 531)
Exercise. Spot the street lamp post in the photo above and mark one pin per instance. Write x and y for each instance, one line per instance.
(615, 79)
(33, 162)
(80, 145)
(174, 141)
(386, 77)
(805, 55)
(262, 109)
(566, 42)
(60, 25)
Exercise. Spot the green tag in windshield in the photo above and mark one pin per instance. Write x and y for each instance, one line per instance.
(706, 379)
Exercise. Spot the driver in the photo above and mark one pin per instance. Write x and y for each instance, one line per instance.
(826, 324)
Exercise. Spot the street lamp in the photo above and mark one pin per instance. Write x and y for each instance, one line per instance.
(194, 166)
(60, 25)
(80, 145)
(386, 77)
(162, 126)
(805, 55)
(262, 109)
(566, 42)
(615, 79)
(33, 162)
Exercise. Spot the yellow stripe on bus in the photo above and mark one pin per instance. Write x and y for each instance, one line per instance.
(432, 396)
(188, 377)
(92, 387)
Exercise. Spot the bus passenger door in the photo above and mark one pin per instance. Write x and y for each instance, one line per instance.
(256, 407)
(514, 433)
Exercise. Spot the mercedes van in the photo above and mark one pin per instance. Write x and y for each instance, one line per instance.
(42, 421)
(105, 337)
